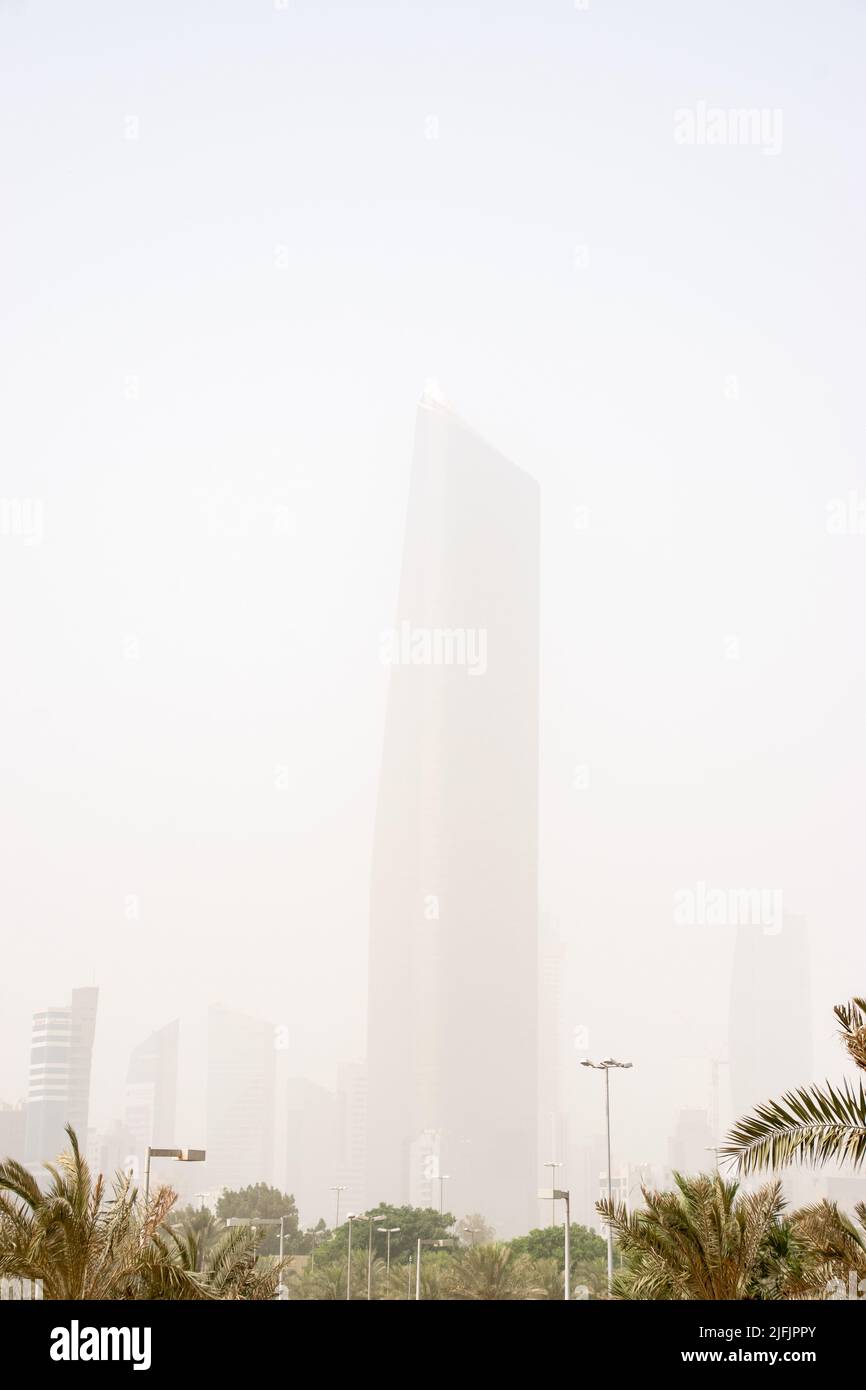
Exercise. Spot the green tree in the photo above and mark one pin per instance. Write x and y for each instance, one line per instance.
(707, 1240)
(813, 1124)
(492, 1273)
(201, 1224)
(415, 1223)
(83, 1242)
(548, 1243)
(260, 1200)
(326, 1281)
(546, 1246)
(474, 1230)
(229, 1267)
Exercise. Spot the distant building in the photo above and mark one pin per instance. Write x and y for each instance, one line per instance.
(113, 1151)
(151, 1091)
(584, 1177)
(351, 1137)
(12, 1130)
(452, 1017)
(552, 1136)
(59, 1088)
(691, 1144)
(426, 1172)
(240, 1100)
(311, 1151)
(770, 1045)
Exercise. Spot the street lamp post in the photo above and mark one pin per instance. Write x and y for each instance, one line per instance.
(371, 1218)
(182, 1156)
(338, 1188)
(388, 1231)
(554, 1195)
(351, 1218)
(606, 1066)
(316, 1237)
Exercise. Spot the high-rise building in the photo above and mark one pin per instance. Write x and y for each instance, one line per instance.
(240, 1099)
(426, 1172)
(585, 1176)
(59, 1088)
(311, 1129)
(452, 1031)
(771, 1014)
(151, 1091)
(12, 1118)
(351, 1136)
(113, 1150)
(552, 1129)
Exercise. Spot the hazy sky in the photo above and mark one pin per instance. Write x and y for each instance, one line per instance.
(237, 238)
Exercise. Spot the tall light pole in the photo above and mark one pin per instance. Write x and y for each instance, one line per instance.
(351, 1218)
(606, 1066)
(553, 1195)
(553, 1165)
(388, 1231)
(371, 1218)
(338, 1188)
(182, 1156)
(316, 1237)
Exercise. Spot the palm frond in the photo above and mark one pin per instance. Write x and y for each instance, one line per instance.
(852, 1018)
(809, 1125)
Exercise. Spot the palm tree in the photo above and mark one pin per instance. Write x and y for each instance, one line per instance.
(83, 1244)
(837, 1245)
(326, 1281)
(814, 1123)
(706, 1240)
(226, 1261)
(202, 1227)
(549, 1276)
(492, 1273)
(232, 1268)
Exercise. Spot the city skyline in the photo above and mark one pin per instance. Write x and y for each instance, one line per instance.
(240, 246)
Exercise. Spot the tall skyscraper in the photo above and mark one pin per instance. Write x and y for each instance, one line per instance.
(452, 1030)
(12, 1122)
(552, 1129)
(151, 1091)
(585, 1176)
(771, 1014)
(240, 1099)
(311, 1129)
(351, 1136)
(59, 1089)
